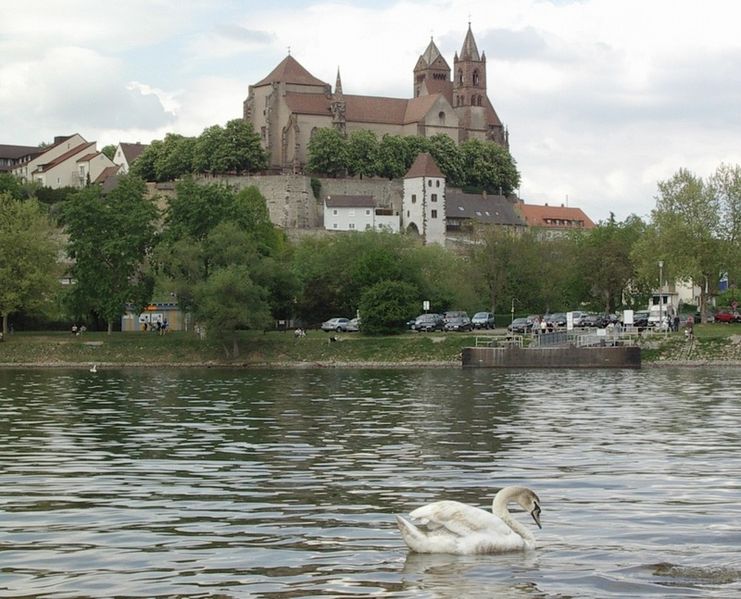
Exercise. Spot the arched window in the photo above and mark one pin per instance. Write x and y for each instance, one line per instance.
(460, 76)
(441, 116)
(476, 77)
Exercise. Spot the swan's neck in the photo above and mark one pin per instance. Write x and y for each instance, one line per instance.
(499, 508)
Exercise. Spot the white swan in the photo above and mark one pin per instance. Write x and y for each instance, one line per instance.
(94, 368)
(454, 527)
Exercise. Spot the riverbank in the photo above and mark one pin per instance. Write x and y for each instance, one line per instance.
(713, 345)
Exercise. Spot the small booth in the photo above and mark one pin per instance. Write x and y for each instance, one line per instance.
(153, 317)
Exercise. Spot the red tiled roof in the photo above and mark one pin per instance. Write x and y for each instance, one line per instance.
(372, 109)
(555, 217)
(107, 172)
(424, 165)
(417, 108)
(88, 157)
(350, 201)
(66, 156)
(308, 103)
(290, 71)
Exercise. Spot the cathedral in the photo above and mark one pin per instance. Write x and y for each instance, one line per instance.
(288, 105)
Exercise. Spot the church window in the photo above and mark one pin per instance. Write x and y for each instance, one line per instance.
(476, 78)
(264, 133)
(434, 214)
(479, 100)
(460, 76)
(441, 116)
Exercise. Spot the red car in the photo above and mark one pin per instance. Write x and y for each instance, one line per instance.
(726, 316)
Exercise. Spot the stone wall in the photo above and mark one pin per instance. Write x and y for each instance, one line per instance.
(291, 202)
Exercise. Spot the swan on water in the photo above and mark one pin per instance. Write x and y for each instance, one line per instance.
(454, 527)
(94, 368)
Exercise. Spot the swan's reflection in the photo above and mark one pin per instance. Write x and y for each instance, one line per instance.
(456, 576)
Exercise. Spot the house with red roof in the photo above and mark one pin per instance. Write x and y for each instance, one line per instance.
(126, 154)
(554, 220)
(289, 104)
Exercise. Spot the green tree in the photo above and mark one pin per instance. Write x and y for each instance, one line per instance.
(109, 151)
(28, 257)
(210, 151)
(328, 153)
(386, 306)
(243, 148)
(725, 187)
(606, 262)
(174, 158)
(449, 158)
(229, 300)
(144, 166)
(487, 165)
(362, 153)
(685, 235)
(393, 157)
(110, 237)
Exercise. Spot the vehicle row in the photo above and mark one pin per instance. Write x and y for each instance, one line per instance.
(341, 325)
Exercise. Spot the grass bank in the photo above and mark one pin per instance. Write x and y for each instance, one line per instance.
(713, 344)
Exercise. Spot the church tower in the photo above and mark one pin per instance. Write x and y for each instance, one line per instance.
(470, 100)
(432, 74)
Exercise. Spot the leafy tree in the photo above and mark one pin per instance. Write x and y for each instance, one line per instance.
(144, 166)
(109, 151)
(328, 153)
(725, 187)
(386, 306)
(209, 151)
(110, 238)
(489, 166)
(449, 158)
(685, 234)
(28, 256)
(229, 300)
(362, 150)
(174, 158)
(244, 150)
(393, 157)
(605, 259)
(11, 185)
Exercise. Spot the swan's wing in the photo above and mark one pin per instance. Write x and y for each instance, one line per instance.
(460, 519)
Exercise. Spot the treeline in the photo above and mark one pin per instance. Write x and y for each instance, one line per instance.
(215, 250)
(235, 149)
(471, 164)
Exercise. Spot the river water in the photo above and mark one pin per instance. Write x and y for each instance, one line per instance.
(230, 483)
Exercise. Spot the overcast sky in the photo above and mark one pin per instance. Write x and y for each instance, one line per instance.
(602, 98)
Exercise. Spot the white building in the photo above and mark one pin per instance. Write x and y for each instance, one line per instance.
(68, 162)
(358, 213)
(423, 202)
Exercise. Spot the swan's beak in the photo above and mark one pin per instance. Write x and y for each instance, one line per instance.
(536, 515)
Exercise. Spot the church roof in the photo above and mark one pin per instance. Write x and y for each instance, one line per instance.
(290, 71)
(469, 51)
(374, 109)
(299, 103)
(431, 54)
(424, 165)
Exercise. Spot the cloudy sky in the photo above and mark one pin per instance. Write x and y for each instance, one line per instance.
(602, 98)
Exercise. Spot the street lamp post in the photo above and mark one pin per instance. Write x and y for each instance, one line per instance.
(661, 295)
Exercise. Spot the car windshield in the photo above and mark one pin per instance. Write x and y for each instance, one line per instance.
(481, 315)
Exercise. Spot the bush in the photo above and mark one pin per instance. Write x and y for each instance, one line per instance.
(386, 306)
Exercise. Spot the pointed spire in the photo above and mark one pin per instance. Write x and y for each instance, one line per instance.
(469, 51)
(431, 54)
(338, 84)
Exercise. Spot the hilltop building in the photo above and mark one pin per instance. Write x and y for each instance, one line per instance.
(288, 105)
(126, 154)
(554, 221)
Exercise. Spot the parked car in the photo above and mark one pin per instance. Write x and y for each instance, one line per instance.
(597, 321)
(429, 322)
(353, 326)
(557, 320)
(520, 325)
(727, 316)
(450, 314)
(483, 320)
(335, 324)
(640, 319)
(459, 323)
(578, 318)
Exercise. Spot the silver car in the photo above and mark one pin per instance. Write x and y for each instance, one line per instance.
(335, 324)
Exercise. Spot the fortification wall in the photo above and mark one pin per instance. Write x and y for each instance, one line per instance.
(291, 202)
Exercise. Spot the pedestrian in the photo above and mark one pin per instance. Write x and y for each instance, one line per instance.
(74, 329)
(676, 323)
